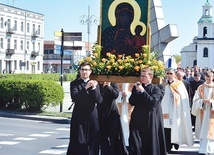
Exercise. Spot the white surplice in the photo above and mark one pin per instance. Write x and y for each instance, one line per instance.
(204, 125)
(124, 114)
(176, 114)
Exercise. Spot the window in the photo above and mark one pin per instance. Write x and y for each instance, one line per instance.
(33, 46)
(27, 65)
(39, 29)
(28, 45)
(205, 52)
(2, 22)
(33, 29)
(38, 47)
(15, 44)
(28, 27)
(206, 12)
(21, 45)
(194, 62)
(205, 32)
(22, 26)
(8, 43)
(2, 43)
(8, 23)
(15, 25)
(38, 65)
(15, 64)
(20, 65)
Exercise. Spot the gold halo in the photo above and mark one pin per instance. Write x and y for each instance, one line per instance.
(134, 24)
(112, 8)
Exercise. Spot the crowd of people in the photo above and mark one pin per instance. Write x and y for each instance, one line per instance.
(142, 118)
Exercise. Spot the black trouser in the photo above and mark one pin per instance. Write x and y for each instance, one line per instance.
(193, 120)
(168, 139)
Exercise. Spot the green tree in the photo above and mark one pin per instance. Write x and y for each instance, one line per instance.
(177, 58)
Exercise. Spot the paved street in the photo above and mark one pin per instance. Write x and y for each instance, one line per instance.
(41, 136)
(30, 137)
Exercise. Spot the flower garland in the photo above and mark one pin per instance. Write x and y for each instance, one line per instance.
(124, 65)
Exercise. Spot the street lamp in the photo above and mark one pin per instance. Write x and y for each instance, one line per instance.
(89, 20)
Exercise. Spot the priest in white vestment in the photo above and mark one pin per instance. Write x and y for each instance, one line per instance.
(203, 109)
(176, 113)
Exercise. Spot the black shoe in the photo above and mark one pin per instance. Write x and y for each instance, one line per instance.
(176, 146)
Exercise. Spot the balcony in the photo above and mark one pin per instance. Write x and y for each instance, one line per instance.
(9, 32)
(34, 54)
(9, 52)
(34, 36)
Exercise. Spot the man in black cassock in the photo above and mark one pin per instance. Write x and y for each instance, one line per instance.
(84, 130)
(111, 135)
(146, 124)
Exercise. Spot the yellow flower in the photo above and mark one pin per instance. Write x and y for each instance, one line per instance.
(155, 67)
(137, 55)
(119, 60)
(88, 58)
(112, 60)
(120, 67)
(140, 61)
(137, 68)
(94, 63)
(125, 60)
(96, 54)
(131, 60)
(108, 67)
(103, 59)
(120, 56)
(154, 61)
(108, 54)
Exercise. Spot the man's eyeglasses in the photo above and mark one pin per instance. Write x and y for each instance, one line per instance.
(143, 75)
(169, 73)
(85, 70)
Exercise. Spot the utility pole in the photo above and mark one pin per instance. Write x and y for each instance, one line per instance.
(62, 54)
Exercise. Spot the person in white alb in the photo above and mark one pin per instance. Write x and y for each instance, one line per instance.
(176, 113)
(203, 109)
(124, 108)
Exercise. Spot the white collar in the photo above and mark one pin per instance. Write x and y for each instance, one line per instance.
(85, 80)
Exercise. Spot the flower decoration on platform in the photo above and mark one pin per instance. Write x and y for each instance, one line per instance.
(122, 65)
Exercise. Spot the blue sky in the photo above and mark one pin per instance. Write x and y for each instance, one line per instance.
(66, 14)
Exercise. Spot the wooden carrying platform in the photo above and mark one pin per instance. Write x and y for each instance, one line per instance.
(121, 79)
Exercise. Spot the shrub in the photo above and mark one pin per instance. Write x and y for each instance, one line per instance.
(29, 95)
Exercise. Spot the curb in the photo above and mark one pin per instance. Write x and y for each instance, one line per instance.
(30, 116)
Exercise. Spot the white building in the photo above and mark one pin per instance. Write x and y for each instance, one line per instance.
(200, 51)
(73, 52)
(21, 40)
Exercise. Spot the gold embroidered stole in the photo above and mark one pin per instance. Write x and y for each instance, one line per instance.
(175, 94)
(211, 121)
(174, 88)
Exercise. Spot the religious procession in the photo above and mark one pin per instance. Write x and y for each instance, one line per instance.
(126, 102)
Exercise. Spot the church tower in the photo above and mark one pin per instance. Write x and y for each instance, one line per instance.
(201, 51)
(205, 41)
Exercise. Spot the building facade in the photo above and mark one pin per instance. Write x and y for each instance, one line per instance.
(21, 40)
(73, 52)
(200, 51)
